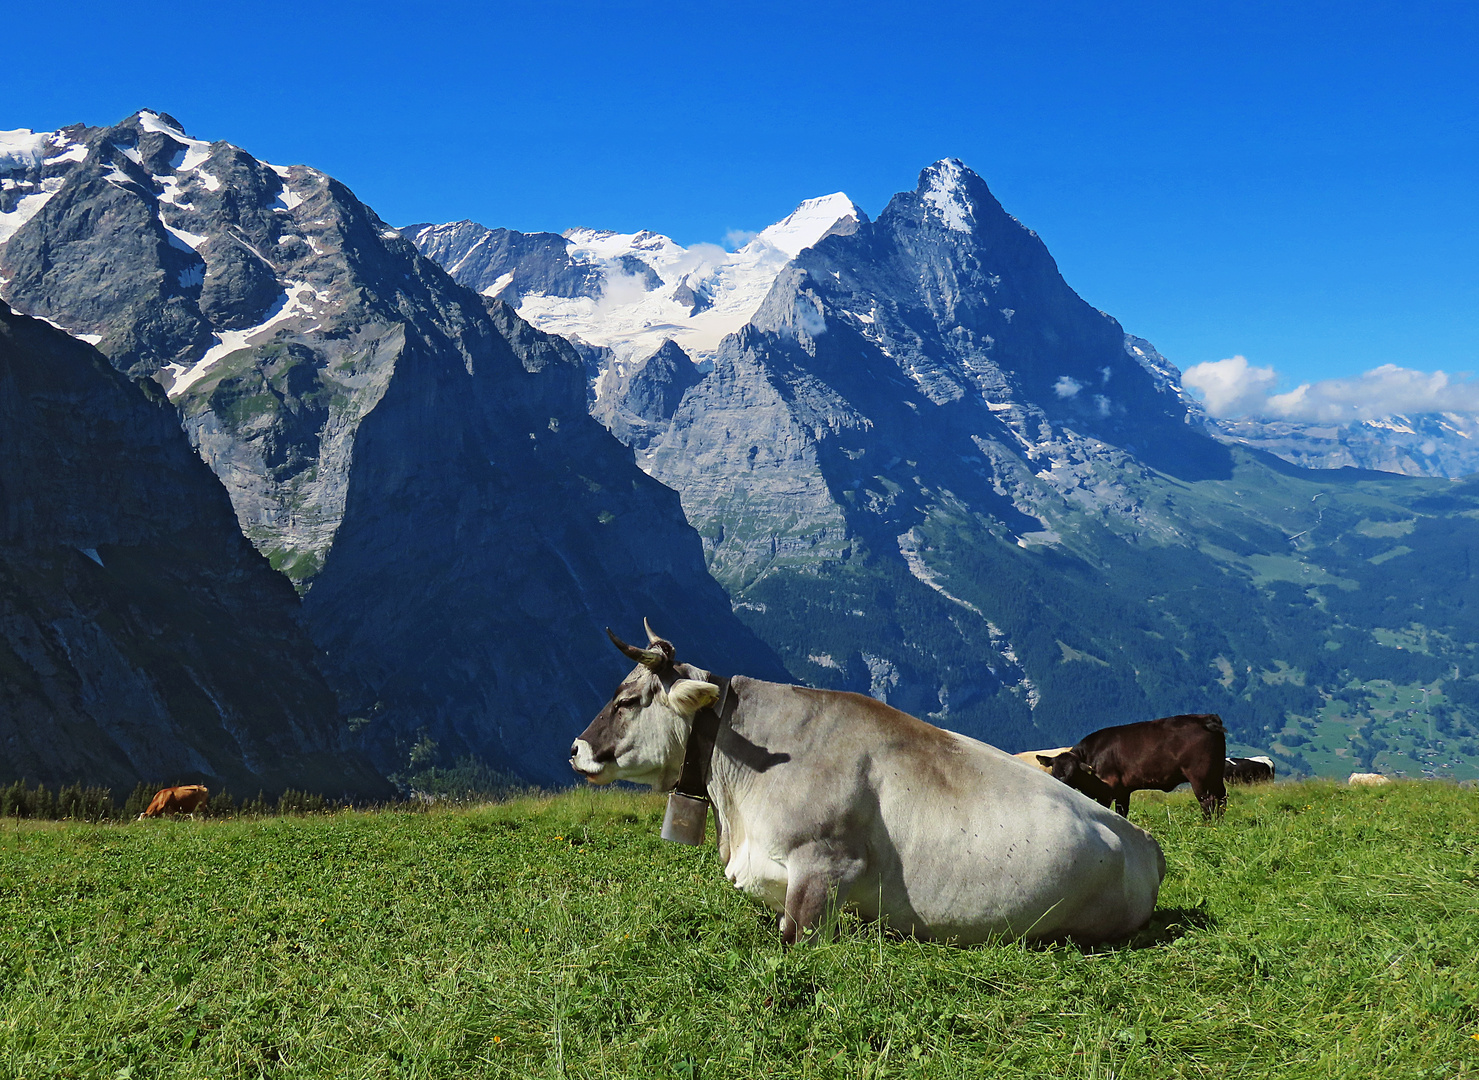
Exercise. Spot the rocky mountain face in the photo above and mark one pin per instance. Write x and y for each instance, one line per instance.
(924, 468)
(415, 457)
(925, 368)
(141, 637)
(1426, 444)
(636, 401)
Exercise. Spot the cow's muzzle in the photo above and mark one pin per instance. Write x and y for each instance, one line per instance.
(588, 763)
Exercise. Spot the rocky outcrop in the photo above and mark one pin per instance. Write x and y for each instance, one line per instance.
(486, 260)
(142, 638)
(637, 402)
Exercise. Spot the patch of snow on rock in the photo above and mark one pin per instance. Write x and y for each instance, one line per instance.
(295, 300)
(184, 241)
(26, 207)
(503, 282)
(911, 547)
(22, 148)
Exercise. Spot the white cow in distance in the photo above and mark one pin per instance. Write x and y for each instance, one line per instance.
(1367, 779)
(827, 798)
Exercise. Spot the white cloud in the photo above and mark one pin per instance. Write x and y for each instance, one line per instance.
(810, 319)
(1102, 404)
(738, 238)
(1233, 387)
(1230, 387)
(1066, 386)
(620, 289)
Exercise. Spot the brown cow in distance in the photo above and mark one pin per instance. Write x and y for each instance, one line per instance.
(176, 800)
(1154, 755)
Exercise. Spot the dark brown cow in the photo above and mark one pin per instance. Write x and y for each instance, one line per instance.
(1154, 755)
(1248, 770)
(176, 800)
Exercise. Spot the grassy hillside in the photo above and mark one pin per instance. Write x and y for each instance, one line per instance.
(1316, 932)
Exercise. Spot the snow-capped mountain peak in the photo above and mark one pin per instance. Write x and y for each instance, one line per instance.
(196, 150)
(809, 222)
(631, 292)
(942, 186)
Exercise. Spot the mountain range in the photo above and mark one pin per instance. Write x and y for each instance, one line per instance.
(1420, 444)
(414, 457)
(924, 468)
(895, 455)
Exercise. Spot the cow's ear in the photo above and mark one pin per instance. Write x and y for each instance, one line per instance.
(1045, 761)
(688, 696)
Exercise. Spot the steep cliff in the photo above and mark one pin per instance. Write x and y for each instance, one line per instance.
(141, 638)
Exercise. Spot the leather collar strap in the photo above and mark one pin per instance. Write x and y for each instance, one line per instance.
(699, 755)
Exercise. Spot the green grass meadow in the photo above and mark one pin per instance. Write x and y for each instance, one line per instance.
(1317, 931)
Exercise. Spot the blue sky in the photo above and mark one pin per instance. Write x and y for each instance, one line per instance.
(1295, 186)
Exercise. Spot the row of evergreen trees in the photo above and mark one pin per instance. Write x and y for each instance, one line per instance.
(79, 803)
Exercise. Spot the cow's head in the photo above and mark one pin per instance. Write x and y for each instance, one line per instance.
(1074, 771)
(640, 735)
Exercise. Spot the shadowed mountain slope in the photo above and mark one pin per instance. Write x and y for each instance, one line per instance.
(141, 637)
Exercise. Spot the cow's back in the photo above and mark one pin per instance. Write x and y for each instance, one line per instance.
(176, 800)
(1156, 753)
(998, 849)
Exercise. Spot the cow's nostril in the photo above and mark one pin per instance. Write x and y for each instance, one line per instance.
(574, 749)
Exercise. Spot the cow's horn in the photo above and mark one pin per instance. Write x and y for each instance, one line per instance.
(653, 637)
(652, 658)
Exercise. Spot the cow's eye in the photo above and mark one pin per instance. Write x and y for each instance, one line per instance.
(627, 703)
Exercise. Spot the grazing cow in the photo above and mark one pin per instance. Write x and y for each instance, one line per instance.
(825, 798)
(1248, 770)
(1034, 757)
(1368, 779)
(176, 800)
(1153, 755)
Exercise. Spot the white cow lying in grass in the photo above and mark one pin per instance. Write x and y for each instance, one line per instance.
(828, 798)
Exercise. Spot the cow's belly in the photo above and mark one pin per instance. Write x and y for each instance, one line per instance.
(753, 869)
(999, 849)
(1039, 861)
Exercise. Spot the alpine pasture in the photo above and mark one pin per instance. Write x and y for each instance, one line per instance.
(1316, 931)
